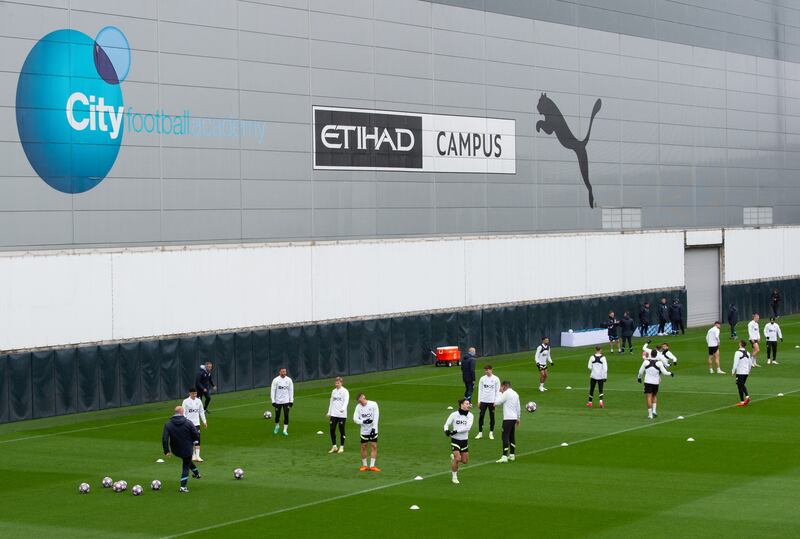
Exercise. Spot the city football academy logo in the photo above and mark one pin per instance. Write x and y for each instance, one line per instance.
(554, 122)
(69, 106)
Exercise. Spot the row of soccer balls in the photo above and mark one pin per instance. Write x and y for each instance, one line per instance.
(137, 490)
(531, 407)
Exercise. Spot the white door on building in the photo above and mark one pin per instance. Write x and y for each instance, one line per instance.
(701, 272)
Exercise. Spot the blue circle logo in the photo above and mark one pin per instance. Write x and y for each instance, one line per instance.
(69, 106)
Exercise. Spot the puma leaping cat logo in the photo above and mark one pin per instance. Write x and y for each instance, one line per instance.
(554, 122)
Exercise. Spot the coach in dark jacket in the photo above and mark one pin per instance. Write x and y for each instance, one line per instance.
(644, 319)
(468, 372)
(733, 319)
(676, 316)
(178, 438)
(626, 327)
(204, 383)
(775, 302)
(663, 316)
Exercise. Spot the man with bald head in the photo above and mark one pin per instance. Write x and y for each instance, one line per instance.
(179, 438)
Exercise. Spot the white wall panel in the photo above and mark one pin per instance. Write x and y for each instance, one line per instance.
(745, 257)
(72, 298)
(54, 299)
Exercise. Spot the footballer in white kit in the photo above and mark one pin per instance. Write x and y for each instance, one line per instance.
(772, 332)
(754, 334)
(651, 370)
(282, 396)
(194, 411)
(542, 359)
(337, 414)
(457, 428)
(712, 340)
(488, 392)
(509, 399)
(598, 367)
(366, 416)
(741, 370)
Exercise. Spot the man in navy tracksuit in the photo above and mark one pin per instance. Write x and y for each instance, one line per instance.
(204, 383)
(468, 373)
(178, 438)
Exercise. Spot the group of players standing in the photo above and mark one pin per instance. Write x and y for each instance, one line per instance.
(492, 392)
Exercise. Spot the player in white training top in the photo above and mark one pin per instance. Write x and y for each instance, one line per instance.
(509, 399)
(712, 340)
(754, 334)
(598, 368)
(741, 370)
(366, 416)
(457, 428)
(488, 391)
(542, 359)
(652, 369)
(772, 332)
(282, 395)
(337, 414)
(195, 412)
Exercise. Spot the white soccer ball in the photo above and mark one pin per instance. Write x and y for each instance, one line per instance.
(84, 488)
(267, 415)
(107, 482)
(137, 490)
(116, 486)
(531, 406)
(238, 473)
(155, 484)
(570, 331)
(123, 485)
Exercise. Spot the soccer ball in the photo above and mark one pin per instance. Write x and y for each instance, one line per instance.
(116, 486)
(238, 473)
(531, 406)
(267, 415)
(123, 485)
(107, 482)
(84, 488)
(137, 490)
(155, 484)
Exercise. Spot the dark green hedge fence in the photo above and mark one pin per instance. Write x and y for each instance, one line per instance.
(83, 378)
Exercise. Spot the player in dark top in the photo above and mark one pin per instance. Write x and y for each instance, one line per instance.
(204, 383)
(663, 316)
(178, 438)
(775, 302)
(644, 319)
(676, 317)
(468, 372)
(733, 319)
(612, 324)
(627, 326)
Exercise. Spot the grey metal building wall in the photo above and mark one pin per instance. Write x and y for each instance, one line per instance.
(692, 128)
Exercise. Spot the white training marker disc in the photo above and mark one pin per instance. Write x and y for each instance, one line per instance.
(680, 417)
(414, 507)
(418, 478)
(569, 387)
(564, 444)
(449, 407)
(160, 461)
(690, 439)
(320, 432)
(780, 394)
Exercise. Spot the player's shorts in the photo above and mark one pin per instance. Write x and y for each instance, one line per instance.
(541, 367)
(483, 405)
(337, 420)
(754, 341)
(462, 446)
(613, 338)
(651, 389)
(712, 350)
(366, 438)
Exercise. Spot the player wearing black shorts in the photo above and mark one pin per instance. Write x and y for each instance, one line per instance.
(712, 340)
(337, 414)
(457, 428)
(652, 368)
(612, 324)
(366, 417)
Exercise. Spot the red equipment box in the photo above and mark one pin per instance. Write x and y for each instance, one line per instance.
(447, 356)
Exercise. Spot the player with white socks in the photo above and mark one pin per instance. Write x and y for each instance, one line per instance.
(282, 395)
(457, 428)
(488, 391)
(509, 399)
(337, 414)
(652, 369)
(542, 358)
(754, 334)
(598, 367)
(194, 411)
(712, 340)
(772, 332)
(366, 416)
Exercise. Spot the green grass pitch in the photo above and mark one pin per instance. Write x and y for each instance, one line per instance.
(620, 476)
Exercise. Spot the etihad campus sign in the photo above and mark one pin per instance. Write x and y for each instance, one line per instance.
(363, 139)
(70, 112)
